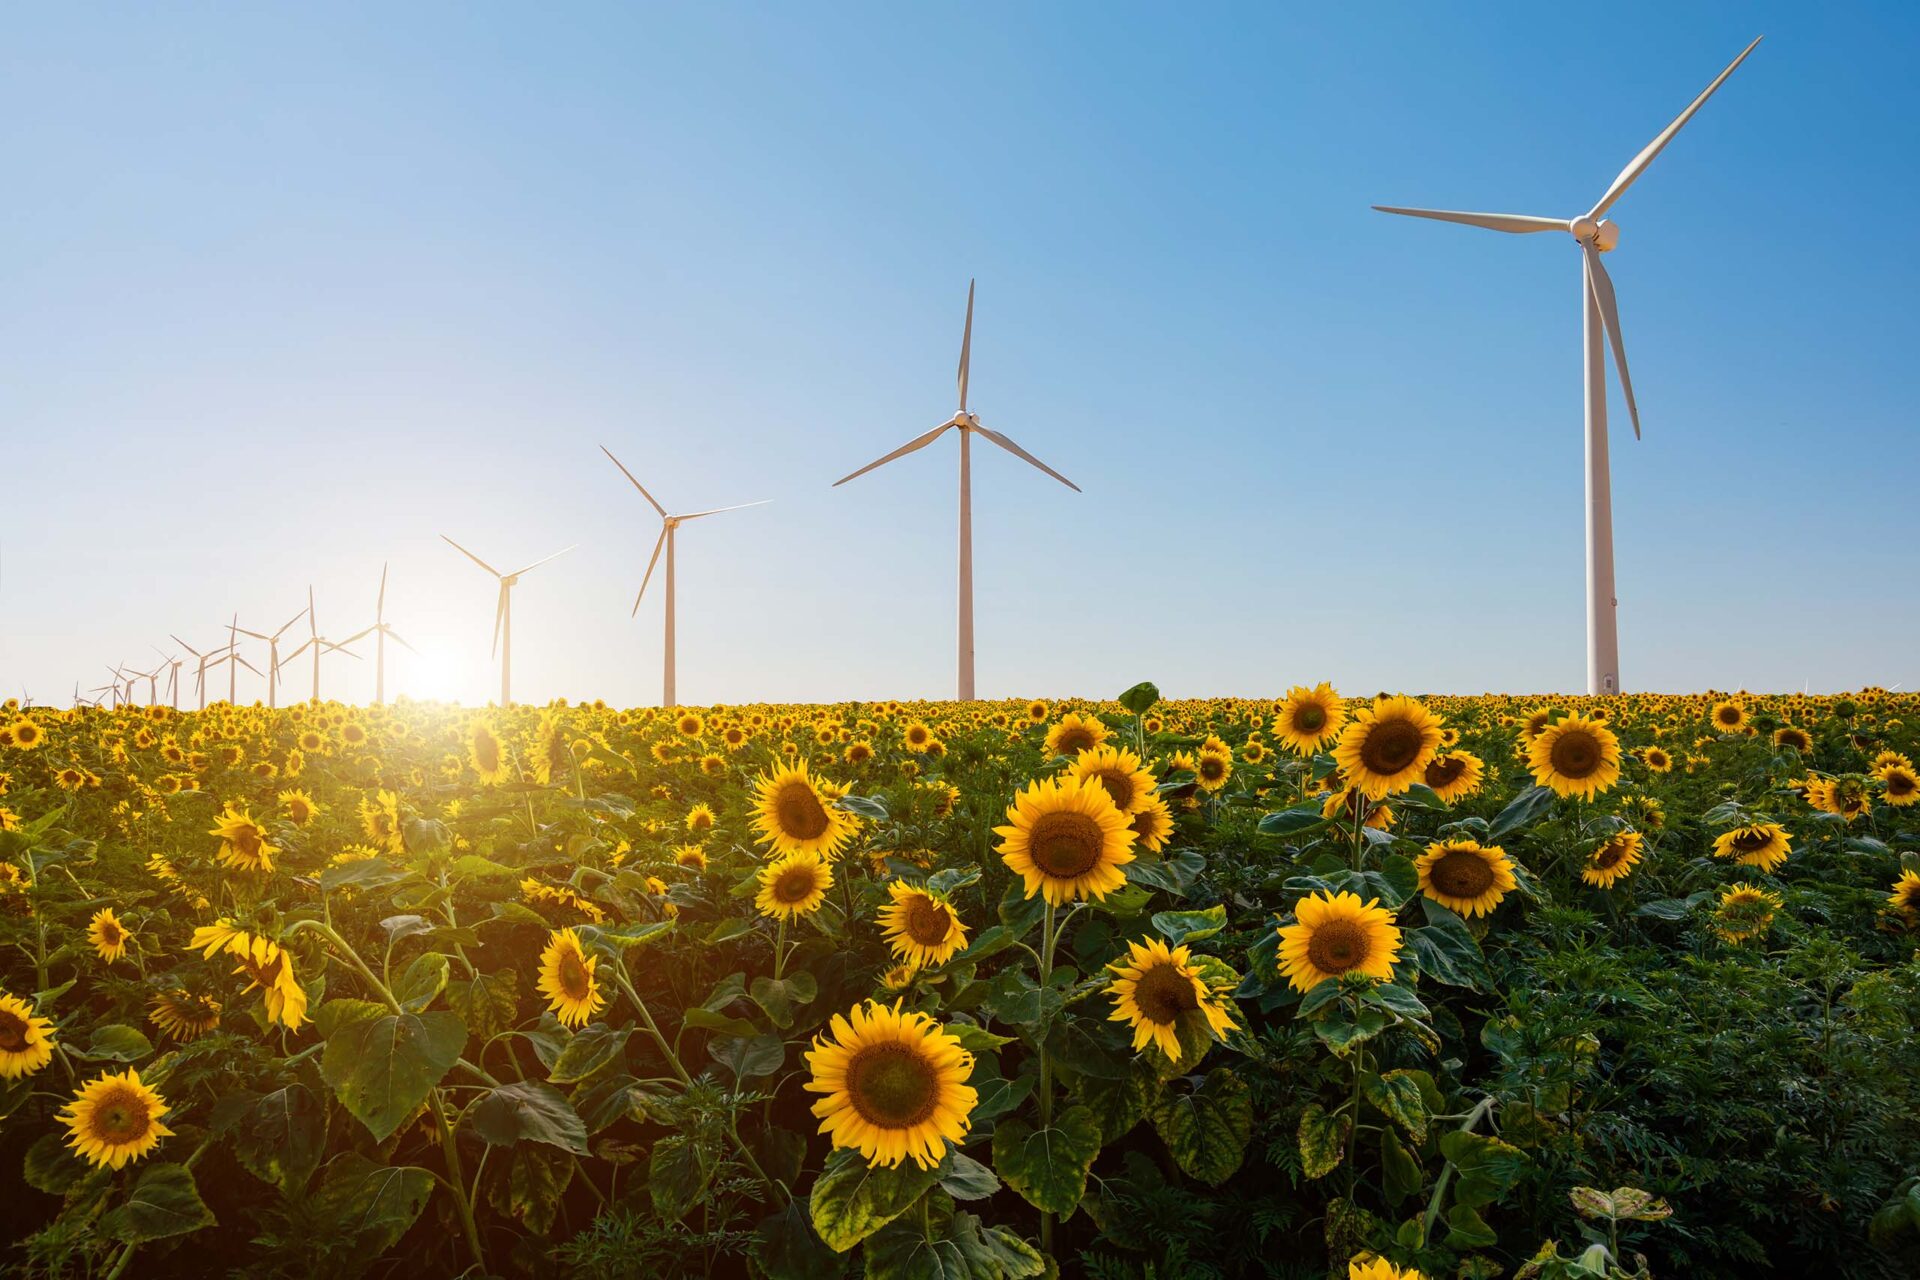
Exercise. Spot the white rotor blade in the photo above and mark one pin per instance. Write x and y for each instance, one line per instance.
(1637, 165)
(499, 613)
(1018, 452)
(636, 484)
(537, 563)
(380, 604)
(304, 646)
(1602, 286)
(396, 637)
(290, 621)
(695, 515)
(658, 543)
(356, 635)
(248, 665)
(340, 648)
(966, 348)
(183, 644)
(1518, 224)
(255, 634)
(469, 555)
(918, 442)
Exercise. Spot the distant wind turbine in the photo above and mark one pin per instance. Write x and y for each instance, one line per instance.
(200, 669)
(503, 613)
(173, 665)
(968, 425)
(1596, 234)
(668, 524)
(318, 644)
(273, 653)
(380, 630)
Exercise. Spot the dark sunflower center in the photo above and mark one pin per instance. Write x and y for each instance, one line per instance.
(1309, 719)
(1575, 754)
(1390, 746)
(1074, 741)
(1899, 785)
(1120, 787)
(1064, 845)
(1461, 873)
(1337, 946)
(1164, 993)
(110, 933)
(795, 884)
(1751, 841)
(121, 1116)
(1212, 767)
(574, 978)
(13, 1032)
(487, 753)
(1729, 716)
(1608, 856)
(246, 841)
(1445, 770)
(799, 812)
(928, 922)
(891, 1086)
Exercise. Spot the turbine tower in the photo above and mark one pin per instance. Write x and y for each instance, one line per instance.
(968, 425)
(380, 630)
(503, 613)
(1596, 234)
(668, 524)
(318, 643)
(273, 653)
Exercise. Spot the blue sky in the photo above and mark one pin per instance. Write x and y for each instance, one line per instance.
(285, 294)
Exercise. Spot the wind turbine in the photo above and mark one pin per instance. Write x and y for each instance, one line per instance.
(1596, 234)
(273, 652)
(380, 630)
(200, 669)
(234, 662)
(668, 524)
(503, 613)
(968, 425)
(318, 643)
(172, 666)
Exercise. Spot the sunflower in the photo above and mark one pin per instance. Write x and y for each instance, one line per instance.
(1120, 772)
(1744, 912)
(566, 979)
(792, 815)
(211, 939)
(690, 856)
(1380, 1269)
(183, 1014)
(1455, 775)
(26, 733)
(270, 969)
(700, 818)
(895, 1085)
(300, 807)
(793, 886)
(1212, 770)
(108, 936)
(1613, 860)
(1899, 785)
(920, 925)
(1729, 717)
(1656, 760)
(1576, 756)
(689, 724)
(1076, 733)
(1152, 825)
(485, 753)
(1760, 844)
(1793, 739)
(916, 737)
(1905, 898)
(1388, 745)
(1067, 840)
(1310, 718)
(243, 842)
(26, 1039)
(115, 1119)
(1465, 877)
(1346, 804)
(1156, 990)
(1335, 935)
(858, 753)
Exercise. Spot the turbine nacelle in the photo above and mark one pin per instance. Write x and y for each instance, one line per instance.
(1603, 234)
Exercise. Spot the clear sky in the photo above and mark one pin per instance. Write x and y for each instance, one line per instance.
(286, 293)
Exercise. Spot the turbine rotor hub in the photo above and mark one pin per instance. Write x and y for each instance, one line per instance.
(1606, 235)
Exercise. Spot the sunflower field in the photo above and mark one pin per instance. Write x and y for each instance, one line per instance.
(1316, 986)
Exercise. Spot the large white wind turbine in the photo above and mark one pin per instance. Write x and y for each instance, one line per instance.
(273, 651)
(318, 644)
(1596, 234)
(503, 613)
(380, 630)
(968, 425)
(668, 524)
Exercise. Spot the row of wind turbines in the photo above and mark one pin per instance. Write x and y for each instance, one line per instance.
(1593, 231)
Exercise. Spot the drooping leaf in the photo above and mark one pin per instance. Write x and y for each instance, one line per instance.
(1048, 1166)
(1323, 1140)
(1190, 926)
(1207, 1129)
(592, 1048)
(852, 1199)
(282, 1136)
(382, 1068)
(528, 1111)
(164, 1202)
(371, 1205)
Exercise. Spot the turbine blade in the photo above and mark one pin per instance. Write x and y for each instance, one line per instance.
(255, 634)
(658, 543)
(1518, 224)
(183, 644)
(499, 612)
(380, 604)
(717, 510)
(248, 665)
(636, 484)
(966, 348)
(918, 442)
(357, 635)
(469, 555)
(537, 563)
(290, 621)
(1638, 165)
(1022, 454)
(1602, 286)
(397, 638)
(341, 648)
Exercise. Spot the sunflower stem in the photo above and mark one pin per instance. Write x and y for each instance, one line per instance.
(1446, 1175)
(1048, 937)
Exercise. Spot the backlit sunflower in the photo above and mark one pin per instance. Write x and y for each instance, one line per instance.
(1335, 935)
(1744, 912)
(299, 807)
(270, 970)
(485, 752)
(1075, 733)
(1613, 860)
(1905, 898)
(1761, 844)
(1387, 746)
(895, 1085)
(792, 815)
(1380, 1269)
(243, 842)
(1120, 772)
(1463, 876)
(1152, 825)
(26, 1039)
(1455, 775)
(1310, 718)
(700, 819)
(1067, 840)
(690, 856)
(114, 1119)
(794, 886)
(567, 979)
(211, 939)
(1576, 756)
(1156, 990)
(182, 1014)
(921, 926)
(108, 936)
